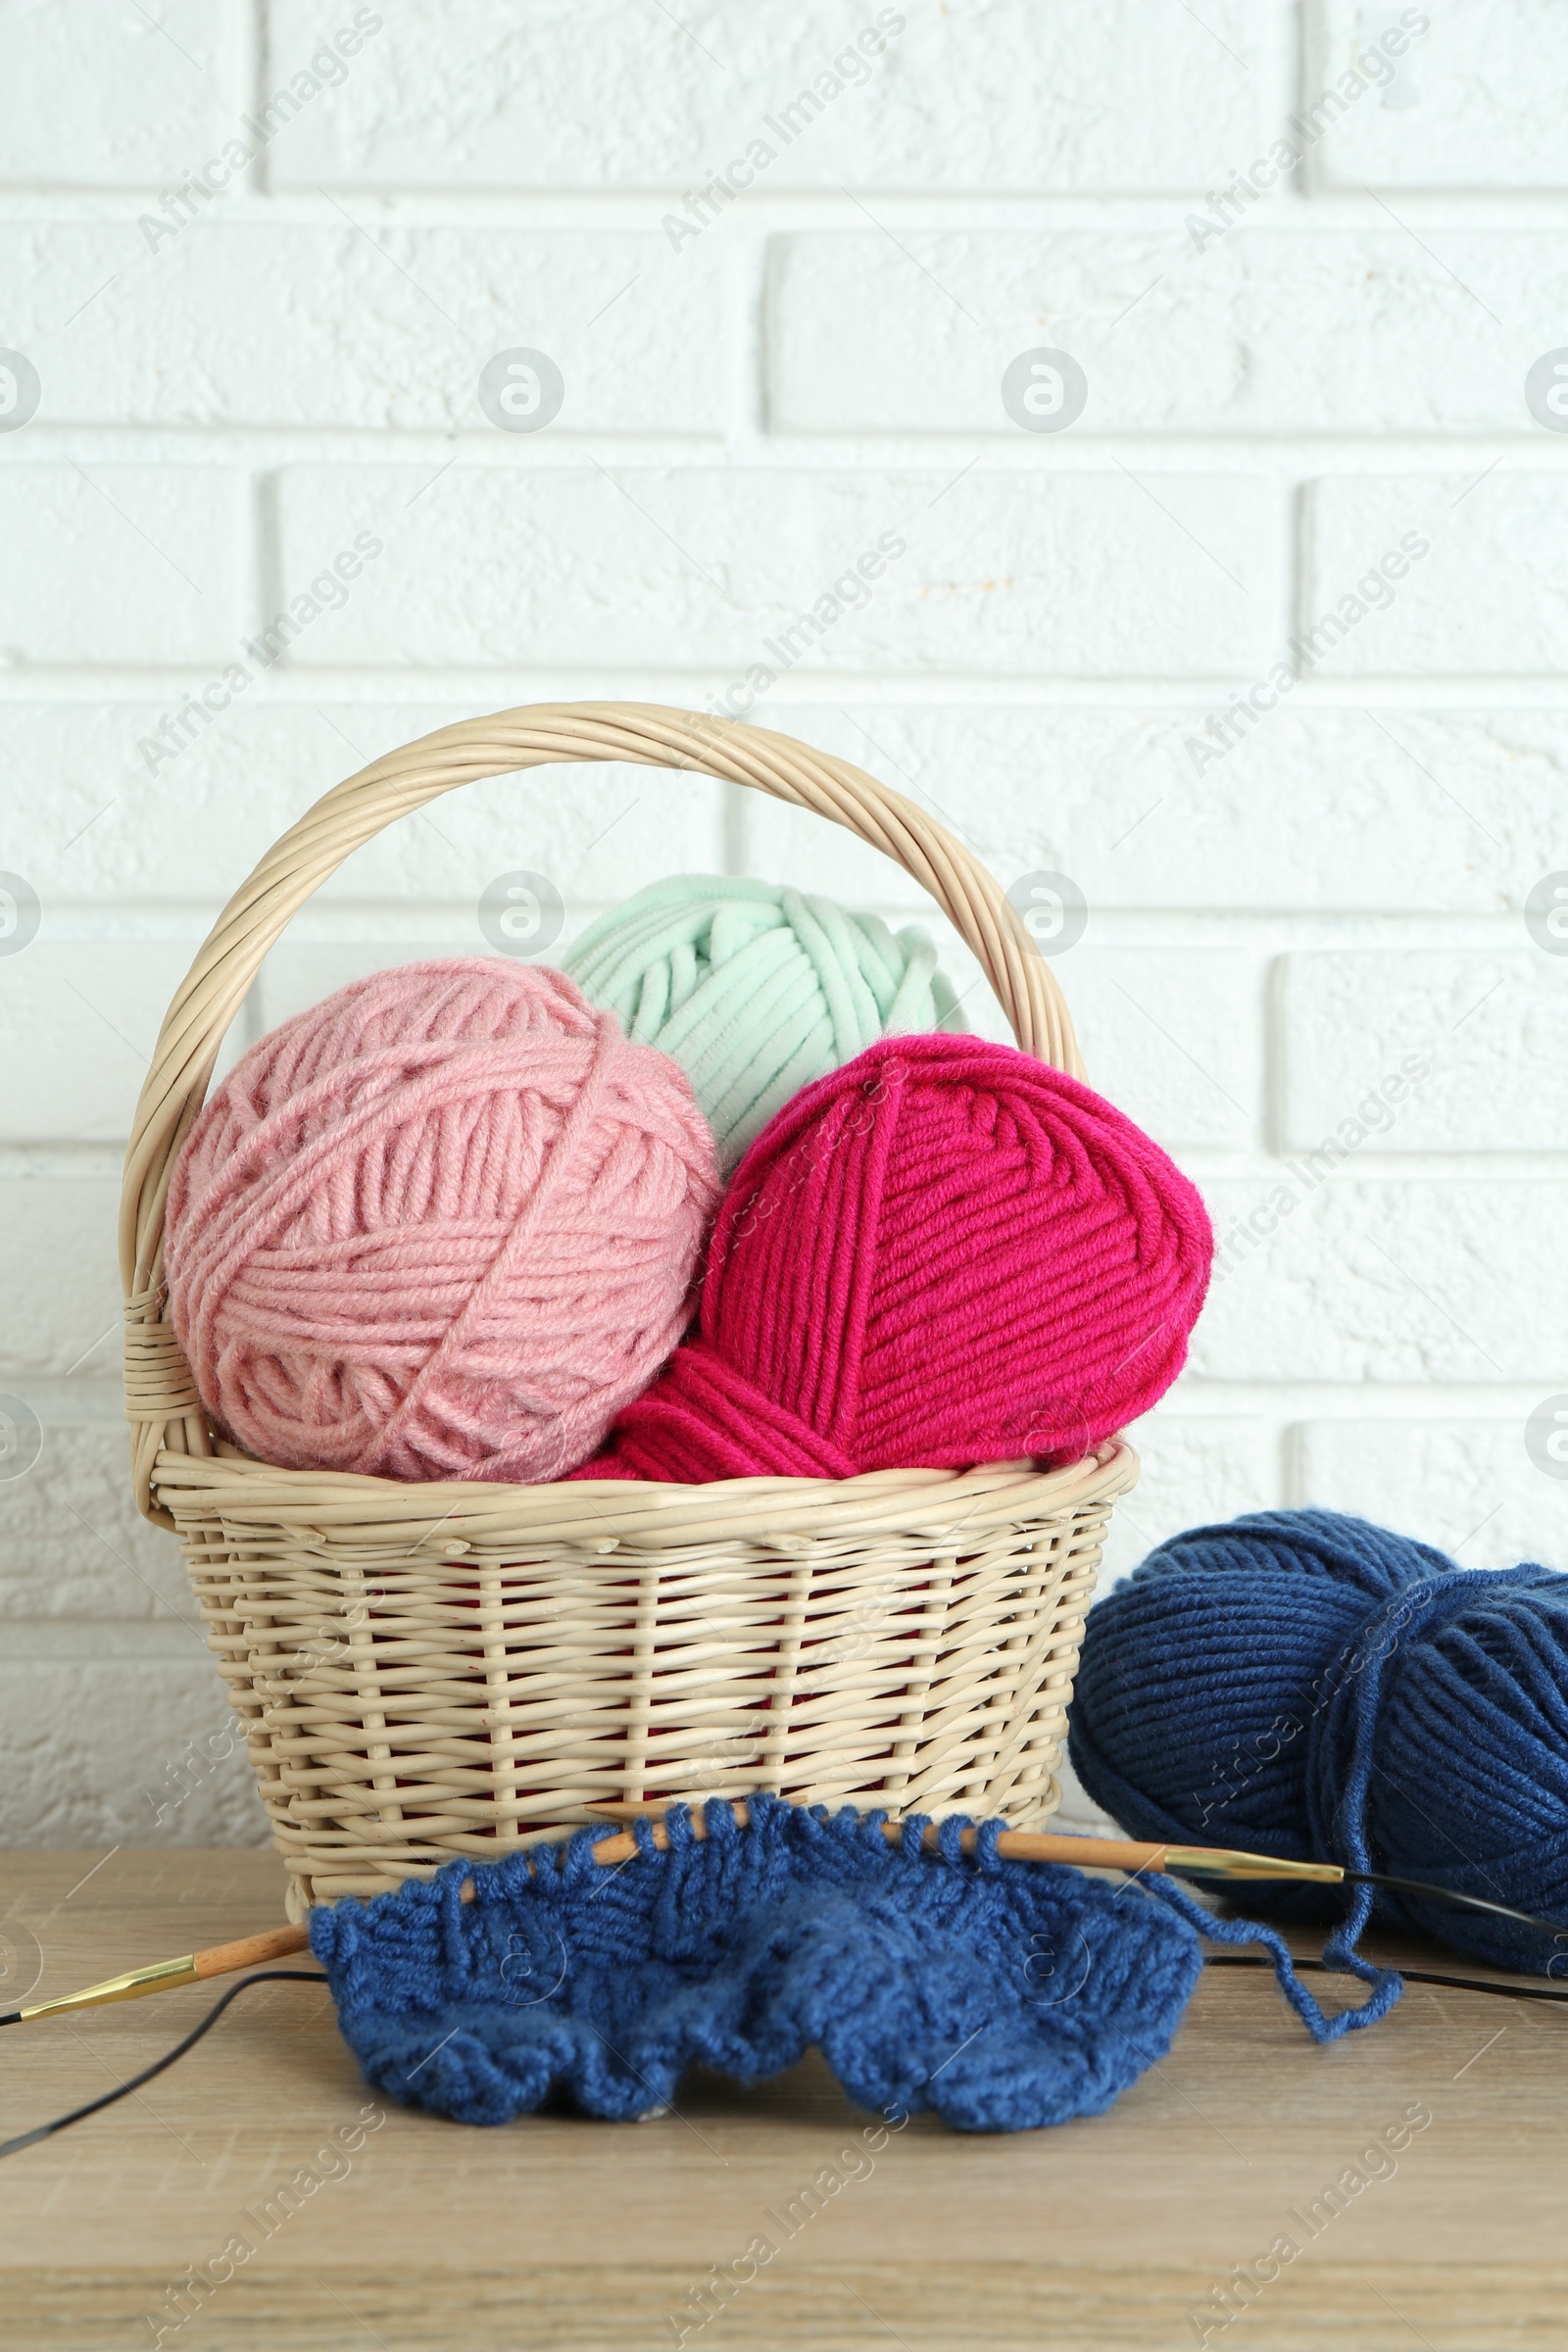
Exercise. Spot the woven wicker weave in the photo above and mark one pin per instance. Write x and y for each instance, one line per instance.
(463, 1669)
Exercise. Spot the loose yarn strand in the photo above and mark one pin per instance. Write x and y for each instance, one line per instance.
(1386, 1983)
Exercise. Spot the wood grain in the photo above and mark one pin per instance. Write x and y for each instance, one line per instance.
(557, 2233)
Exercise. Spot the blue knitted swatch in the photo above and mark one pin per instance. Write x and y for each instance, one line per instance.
(1005, 1995)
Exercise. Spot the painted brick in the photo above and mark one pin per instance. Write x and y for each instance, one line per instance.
(1369, 1280)
(123, 562)
(1469, 1486)
(1443, 810)
(85, 819)
(147, 99)
(265, 324)
(1087, 576)
(1086, 94)
(1490, 596)
(1492, 1031)
(58, 1278)
(1478, 101)
(73, 1542)
(78, 1020)
(1192, 1471)
(1329, 331)
(1335, 810)
(91, 1750)
(1174, 1037)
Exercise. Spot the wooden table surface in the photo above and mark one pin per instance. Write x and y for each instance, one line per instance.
(551, 2233)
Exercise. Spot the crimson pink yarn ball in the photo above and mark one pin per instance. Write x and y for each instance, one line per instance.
(945, 1252)
(444, 1225)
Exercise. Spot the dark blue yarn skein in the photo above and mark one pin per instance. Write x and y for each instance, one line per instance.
(1309, 1686)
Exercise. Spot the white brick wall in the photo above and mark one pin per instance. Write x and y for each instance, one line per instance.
(1002, 95)
(297, 323)
(1300, 330)
(1283, 384)
(1084, 573)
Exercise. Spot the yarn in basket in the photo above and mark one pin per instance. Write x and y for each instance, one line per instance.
(756, 989)
(442, 1225)
(1306, 1685)
(947, 1252)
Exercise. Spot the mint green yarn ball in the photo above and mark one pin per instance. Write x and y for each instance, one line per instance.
(756, 989)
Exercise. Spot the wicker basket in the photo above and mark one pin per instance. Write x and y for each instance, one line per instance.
(427, 1671)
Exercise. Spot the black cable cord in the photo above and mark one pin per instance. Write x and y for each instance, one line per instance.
(1378, 1877)
(273, 1975)
(1413, 1975)
(1451, 1894)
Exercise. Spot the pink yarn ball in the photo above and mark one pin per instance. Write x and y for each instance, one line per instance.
(944, 1252)
(444, 1225)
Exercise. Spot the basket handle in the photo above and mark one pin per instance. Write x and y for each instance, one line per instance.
(161, 1399)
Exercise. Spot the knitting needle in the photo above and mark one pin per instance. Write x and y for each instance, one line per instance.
(219, 1960)
(1013, 1845)
(1024, 1845)
(1134, 1856)
(223, 1959)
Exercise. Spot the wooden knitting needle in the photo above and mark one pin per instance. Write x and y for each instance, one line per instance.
(219, 1960)
(1013, 1845)
(1016, 1845)
(1133, 1856)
